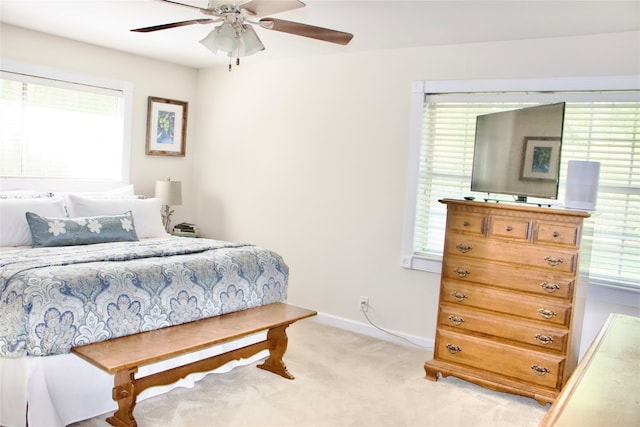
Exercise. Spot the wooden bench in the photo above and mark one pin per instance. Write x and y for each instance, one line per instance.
(123, 356)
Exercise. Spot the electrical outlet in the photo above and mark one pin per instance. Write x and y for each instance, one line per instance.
(364, 304)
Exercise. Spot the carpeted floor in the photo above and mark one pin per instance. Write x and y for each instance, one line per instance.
(342, 379)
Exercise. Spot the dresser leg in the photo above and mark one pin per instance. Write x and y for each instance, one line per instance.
(432, 374)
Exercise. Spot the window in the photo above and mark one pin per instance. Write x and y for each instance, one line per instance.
(602, 123)
(61, 126)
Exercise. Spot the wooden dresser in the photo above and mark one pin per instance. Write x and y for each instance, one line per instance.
(511, 298)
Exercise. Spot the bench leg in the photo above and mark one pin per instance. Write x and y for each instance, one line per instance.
(124, 392)
(278, 340)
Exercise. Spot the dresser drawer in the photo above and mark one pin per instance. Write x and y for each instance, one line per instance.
(508, 277)
(464, 319)
(548, 258)
(560, 234)
(466, 223)
(547, 310)
(510, 227)
(531, 366)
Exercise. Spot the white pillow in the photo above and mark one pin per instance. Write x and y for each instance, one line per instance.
(147, 215)
(127, 190)
(14, 229)
(67, 197)
(124, 192)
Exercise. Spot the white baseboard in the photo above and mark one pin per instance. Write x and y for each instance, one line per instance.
(371, 331)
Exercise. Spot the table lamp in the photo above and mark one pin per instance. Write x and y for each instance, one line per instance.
(170, 192)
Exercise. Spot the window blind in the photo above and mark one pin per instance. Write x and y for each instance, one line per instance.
(58, 129)
(608, 132)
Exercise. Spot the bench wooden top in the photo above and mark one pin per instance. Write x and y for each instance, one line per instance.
(152, 346)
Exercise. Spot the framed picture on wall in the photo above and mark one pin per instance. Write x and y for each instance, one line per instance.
(166, 127)
(540, 158)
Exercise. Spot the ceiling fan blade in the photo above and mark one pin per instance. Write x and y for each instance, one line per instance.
(305, 30)
(181, 4)
(173, 25)
(270, 7)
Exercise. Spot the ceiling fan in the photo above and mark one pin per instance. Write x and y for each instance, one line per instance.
(235, 35)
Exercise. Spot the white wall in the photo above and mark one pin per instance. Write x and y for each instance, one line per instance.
(150, 78)
(309, 157)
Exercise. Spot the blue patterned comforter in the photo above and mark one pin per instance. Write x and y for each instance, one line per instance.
(52, 299)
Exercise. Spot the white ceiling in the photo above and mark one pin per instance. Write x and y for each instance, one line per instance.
(375, 24)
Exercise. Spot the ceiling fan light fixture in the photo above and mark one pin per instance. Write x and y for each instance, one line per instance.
(222, 38)
(227, 39)
(248, 42)
(210, 41)
(234, 40)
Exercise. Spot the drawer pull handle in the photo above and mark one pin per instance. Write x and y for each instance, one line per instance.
(553, 261)
(547, 314)
(460, 272)
(540, 370)
(556, 234)
(509, 228)
(459, 297)
(549, 287)
(544, 339)
(465, 224)
(463, 248)
(456, 320)
(453, 349)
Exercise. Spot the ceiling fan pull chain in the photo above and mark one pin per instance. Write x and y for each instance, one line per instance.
(238, 52)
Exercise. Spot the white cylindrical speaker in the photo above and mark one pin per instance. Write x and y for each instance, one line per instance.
(582, 185)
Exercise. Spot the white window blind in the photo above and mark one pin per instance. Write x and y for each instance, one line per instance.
(52, 128)
(596, 128)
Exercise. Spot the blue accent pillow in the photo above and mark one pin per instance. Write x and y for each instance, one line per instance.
(47, 232)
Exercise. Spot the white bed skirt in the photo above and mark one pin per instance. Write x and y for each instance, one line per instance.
(63, 389)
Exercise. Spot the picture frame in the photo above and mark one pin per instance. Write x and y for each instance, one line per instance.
(540, 158)
(166, 127)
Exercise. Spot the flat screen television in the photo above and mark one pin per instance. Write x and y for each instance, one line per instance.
(517, 152)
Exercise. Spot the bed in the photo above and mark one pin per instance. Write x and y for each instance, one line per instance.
(113, 271)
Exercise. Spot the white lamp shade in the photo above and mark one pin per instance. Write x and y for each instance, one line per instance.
(223, 38)
(227, 39)
(170, 192)
(249, 42)
(209, 41)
